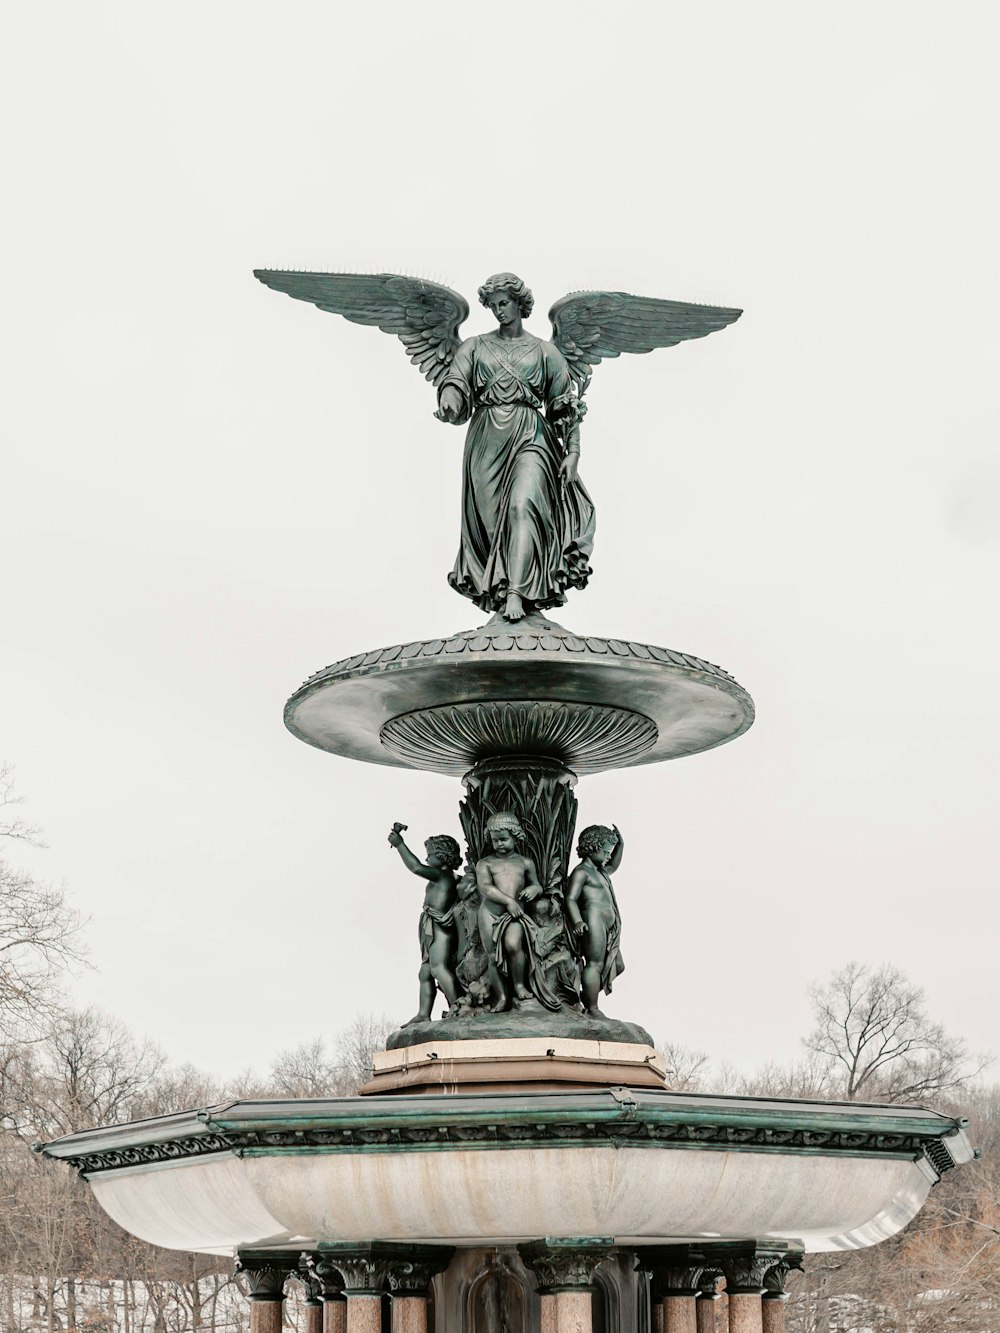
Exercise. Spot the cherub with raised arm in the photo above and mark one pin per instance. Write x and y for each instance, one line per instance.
(437, 918)
(507, 879)
(593, 912)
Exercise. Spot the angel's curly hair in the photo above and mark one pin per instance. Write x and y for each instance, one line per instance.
(447, 847)
(593, 838)
(503, 819)
(509, 282)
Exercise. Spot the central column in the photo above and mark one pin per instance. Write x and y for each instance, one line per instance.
(675, 1274)
(745, 1268)
(564, 1275)
(705, 1303)
(266, 1272)
(362, 1269)
(539, 792)
(334, 1300)
(773, 1301)
(409, 1282)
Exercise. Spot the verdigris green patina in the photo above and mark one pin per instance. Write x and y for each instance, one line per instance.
(527, 520)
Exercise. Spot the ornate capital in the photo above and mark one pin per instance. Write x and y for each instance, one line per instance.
(564, 1265)
(774, 1282)
(365, 1270)
(746, 1267)
(266, 1272)
(674, 1270)
(412, 1277)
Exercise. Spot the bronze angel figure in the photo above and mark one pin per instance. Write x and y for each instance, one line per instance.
(527, 520)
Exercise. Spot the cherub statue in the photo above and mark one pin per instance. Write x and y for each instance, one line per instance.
(527, 520)
(437, 923)
(593, 911)
(507, 880)
(552, 950)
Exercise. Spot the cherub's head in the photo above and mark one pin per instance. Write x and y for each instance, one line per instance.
(596, 844)
(506, 288)
(443, 851)
(504, 831)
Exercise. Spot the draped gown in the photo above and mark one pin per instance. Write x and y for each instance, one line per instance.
(523, 531)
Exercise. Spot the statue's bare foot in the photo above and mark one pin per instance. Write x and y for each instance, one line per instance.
(417, 1018)
(499, 1007)
(522, 993)
(594, 1012)
(513, 608)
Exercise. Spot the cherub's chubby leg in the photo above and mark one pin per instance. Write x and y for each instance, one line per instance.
(595, 948)
(427, 992)
(440, 953)
(498, 985)
(517, 961)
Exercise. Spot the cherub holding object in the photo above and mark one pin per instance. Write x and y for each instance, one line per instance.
(506, 880)
(437, 919)
(593, 911)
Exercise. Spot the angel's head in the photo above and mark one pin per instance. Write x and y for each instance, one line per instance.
(507, 284)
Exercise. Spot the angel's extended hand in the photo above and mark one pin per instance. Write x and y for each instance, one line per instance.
(451, 404)
(568, 468)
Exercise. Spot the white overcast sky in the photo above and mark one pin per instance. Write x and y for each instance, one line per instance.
(209, 491)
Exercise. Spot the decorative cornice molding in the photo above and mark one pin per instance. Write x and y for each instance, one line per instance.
(640, 1133)
(480, 642)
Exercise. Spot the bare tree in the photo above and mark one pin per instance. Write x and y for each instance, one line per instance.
(11, 823)
(356, 1048)
(877, 1041)
(687, 1069)
(39, 933)
(306, 1071)
(88, 1071)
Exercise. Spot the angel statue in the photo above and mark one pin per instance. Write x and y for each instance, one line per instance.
(527, 520)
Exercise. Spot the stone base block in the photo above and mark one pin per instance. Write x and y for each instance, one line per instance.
(538, 1063)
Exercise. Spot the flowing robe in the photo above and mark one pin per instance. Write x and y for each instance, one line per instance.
(523, 530)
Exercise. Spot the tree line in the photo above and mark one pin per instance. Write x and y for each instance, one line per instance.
(64, 1265)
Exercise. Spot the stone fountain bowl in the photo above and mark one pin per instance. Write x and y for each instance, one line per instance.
(634, 1166)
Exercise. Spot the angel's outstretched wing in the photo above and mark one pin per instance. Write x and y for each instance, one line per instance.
(424, 316)
(588, 327)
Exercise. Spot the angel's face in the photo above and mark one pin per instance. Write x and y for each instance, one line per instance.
(504, 307)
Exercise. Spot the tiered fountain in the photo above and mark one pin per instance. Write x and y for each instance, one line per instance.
(519, 1164)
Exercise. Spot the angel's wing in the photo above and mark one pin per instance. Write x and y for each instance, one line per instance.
(424, 316)
(588, 327)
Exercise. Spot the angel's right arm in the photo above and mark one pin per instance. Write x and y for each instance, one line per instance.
(459, 379)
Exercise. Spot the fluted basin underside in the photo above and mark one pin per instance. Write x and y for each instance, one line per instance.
(588, 738)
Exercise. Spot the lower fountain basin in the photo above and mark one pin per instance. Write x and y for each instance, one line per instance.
(637, 1166)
